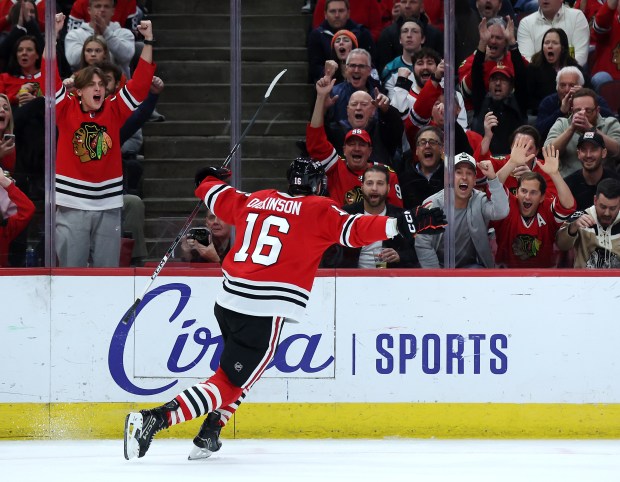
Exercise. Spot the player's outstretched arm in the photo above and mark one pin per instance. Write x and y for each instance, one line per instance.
(221, 173)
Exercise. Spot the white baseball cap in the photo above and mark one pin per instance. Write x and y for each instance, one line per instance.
(464, 157)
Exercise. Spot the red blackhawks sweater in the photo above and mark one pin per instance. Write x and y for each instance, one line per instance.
(278, 246)
(89, 173)
(344, 184)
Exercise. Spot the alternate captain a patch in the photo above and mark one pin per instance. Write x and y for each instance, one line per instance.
(91, 142)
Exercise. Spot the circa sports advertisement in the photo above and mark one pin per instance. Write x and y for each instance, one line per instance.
(387, 339)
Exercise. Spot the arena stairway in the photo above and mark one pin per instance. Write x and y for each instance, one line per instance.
(192, 55)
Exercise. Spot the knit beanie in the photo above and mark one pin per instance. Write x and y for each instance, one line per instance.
(349, 34)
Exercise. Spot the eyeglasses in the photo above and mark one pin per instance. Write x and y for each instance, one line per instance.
(430, 142)
(358, 66)
(587, 110)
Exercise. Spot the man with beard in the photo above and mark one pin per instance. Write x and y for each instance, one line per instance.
(585, 116)
(473, 212)
(389, 45)
(525, 238)
(428, 109)
(391, 253)
(595, 233)
(409, 83)
(337, 17)
(344, 174)
(583, 183)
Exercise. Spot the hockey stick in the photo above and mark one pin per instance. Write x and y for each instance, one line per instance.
(132, 309)
(253, 119)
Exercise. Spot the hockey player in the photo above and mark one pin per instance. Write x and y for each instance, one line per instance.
(268, 275)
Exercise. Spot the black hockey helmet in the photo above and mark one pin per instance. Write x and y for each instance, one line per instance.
(305, 176)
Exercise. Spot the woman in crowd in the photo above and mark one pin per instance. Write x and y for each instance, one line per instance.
(553, 55)
(23, 80)
(343, 42)
(16, 211)
(7, 139)
(95, 52)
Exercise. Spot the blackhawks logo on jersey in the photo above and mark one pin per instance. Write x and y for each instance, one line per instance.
(353, 196)
(526, 246)
(602, 258)
(91, 142)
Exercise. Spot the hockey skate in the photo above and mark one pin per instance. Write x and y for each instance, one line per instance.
(208, 439)
(141, 427)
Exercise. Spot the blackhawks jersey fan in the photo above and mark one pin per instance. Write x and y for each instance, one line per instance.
(344, 175)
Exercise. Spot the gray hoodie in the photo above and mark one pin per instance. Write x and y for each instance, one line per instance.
(481, 210)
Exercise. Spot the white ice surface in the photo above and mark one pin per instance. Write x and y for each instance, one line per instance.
(316, 460)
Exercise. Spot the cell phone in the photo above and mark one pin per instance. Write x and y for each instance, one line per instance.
(8, 137)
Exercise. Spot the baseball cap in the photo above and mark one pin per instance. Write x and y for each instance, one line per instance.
(361, 133)
(502, 69)
(464, 157)
(593, 137)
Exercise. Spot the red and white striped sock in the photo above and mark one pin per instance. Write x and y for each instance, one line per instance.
(205, 397)
(227, 412)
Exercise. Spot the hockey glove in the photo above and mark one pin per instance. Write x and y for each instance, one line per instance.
(410, 223)
(221, 173)
(575, 216)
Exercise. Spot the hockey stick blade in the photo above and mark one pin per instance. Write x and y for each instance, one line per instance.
(274, 82)
(131, 311)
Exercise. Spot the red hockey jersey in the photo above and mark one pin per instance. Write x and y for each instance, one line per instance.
(16, 223)
(522, 244)
(89, 172)
(344, 184)
(606, 33)
(278, 245)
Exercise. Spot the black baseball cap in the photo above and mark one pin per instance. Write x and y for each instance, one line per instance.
(593, 137)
